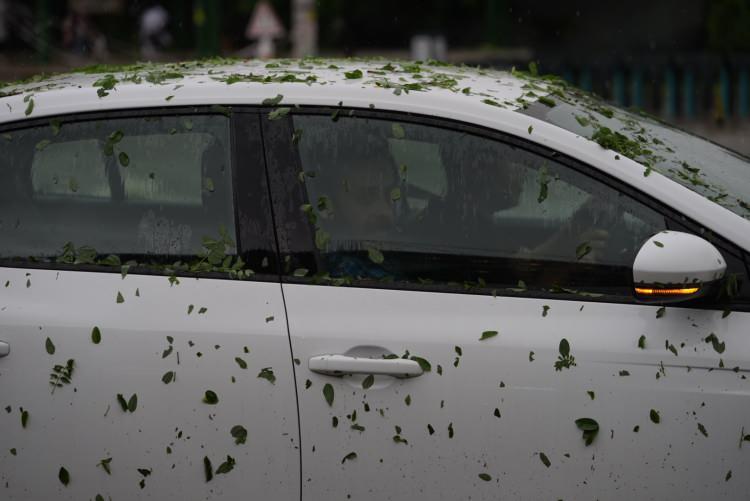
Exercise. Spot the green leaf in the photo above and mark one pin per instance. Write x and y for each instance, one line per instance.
(64, 476)
(591, 394)
(654, 415)
(120, 299)
(423, 363)
(226, 466)
(208, 184)
(545, 310)
(239, 433)
(702, 429)
(267, 374)
(272, 101)
(396, 194)
(375, 255)
(96, 335)
(168, 377)
(210, 397)
(43, 144)
(530, 129)
(24, 418)
(547, 101)
(240, 362)
(29, 107)
(202, 310)
(279, 113)
(300, 272)
(328, 393)
(624, 373)
(486, 477)
(123, 158)
(728, 476)
(658, 244)
(123, 403)
(642, 342)
(368, 382)
(398, 131)
(104, 463)
(661, 311)
(719, 347)
(544, 459)
(321, 239)
(488, 335)
(407, 400)
(589, 427)
(208, 470)
(49, 346)
(349, 457)
(582, 250)
(564, 348)
(133, 403)
(351, 75)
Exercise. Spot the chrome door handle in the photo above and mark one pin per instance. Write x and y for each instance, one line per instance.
(4, 349)
(337, 365)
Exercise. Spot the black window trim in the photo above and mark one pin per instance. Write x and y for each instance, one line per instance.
(669, 214)
(234, 114)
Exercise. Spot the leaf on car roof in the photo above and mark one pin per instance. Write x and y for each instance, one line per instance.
(272, 101)
(487, 335)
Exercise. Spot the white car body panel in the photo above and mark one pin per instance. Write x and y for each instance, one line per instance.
(82, 423)
(538, 405)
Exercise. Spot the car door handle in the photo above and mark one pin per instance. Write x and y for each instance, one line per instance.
(4, 349)
(337, 365)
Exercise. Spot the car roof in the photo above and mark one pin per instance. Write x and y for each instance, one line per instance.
(483, 97)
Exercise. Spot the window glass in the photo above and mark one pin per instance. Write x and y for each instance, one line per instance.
(154, 186)
(406, 202)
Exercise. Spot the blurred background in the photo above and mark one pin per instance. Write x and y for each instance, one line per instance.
(687, 61)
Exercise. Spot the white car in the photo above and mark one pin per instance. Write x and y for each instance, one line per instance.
(359, 279)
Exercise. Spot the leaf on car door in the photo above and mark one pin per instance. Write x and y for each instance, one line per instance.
(240, 362)
(589, 427)
(349, 457)
(661, 311)
(133, 402)
(24, 418)
(123, 403)
(642, 342)
(226, 466)
(239, 433)
(208, 469)
(545, 310)
(544, 459)
(366, 382)
(328, 393)
(96, 335)
(487, 335)
(168, 377)
(484, 476)
(120, 299)
(267, 374)
(64, 476)
(654, 416)
(582, 250)
(49, 346)
(718, 346)
(210, 397)
(104, 464)
(702, 429)
(423, 363)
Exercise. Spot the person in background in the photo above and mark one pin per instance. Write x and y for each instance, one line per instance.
(153, 33)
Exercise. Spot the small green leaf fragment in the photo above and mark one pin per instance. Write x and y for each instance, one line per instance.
(354, 74)
(328, 393)
(486, 477)
(702, 429)
(133, 402)
(123, 158)
(349, 457)
(658, 244)
(366, 382)
(544, 459)
(398, 131)
(654, 416)
(123, 403)
(591, 394)
(24, 418)
(642, 342)
(49, 346)
(240, 362)
(267, 374)
(487, 335)
(208, 469)
(272, 101)
(168, 377)
(279, 113)
(375, 255)
(29, 107)
(424, 364)
(661, 312)
(239, 433)
(120, 299)
(63, 474)
(210, 397)
(96, 335)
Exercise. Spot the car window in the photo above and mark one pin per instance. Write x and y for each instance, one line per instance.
(153, 186)
(408, 202)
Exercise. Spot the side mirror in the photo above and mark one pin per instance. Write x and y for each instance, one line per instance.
(673, 267)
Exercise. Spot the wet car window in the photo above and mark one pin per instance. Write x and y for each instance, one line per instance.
(408, 202)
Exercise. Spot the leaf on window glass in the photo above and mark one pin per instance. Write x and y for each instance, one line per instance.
(398, 131)
(267, 374)
(321, 239)
(366, 382)
(73, 184)
(296, 136)
(64, 476)
(208, 184)
(375, 255)
(396, 194)
(654, 416)
(487, 335)
(96, 335)
(300, 272)
(240, 362)
(123, 158)
(49, 346)
(278, 113)
(328, 393)
(486, 477)
(239, 433)
(544, 181)
(187, 124)
(582, 250)
(272, 101)
(210, 397)
(544, 459)
(43, 144)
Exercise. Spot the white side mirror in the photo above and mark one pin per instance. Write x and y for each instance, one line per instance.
(673, 266)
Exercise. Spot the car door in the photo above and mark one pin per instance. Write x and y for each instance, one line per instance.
(148, 352)
(461, 304)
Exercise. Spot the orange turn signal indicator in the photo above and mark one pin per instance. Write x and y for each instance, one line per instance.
(666, 292)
